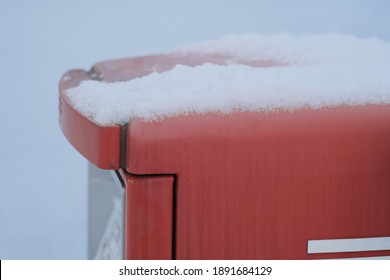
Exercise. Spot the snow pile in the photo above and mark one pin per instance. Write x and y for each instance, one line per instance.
(313, 71)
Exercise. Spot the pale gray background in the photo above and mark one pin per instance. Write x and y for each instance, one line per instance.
(43, 188)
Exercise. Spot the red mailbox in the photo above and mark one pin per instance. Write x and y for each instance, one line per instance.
(306, 184)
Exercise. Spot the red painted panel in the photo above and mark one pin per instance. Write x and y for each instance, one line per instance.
(99, 144)
(149, 217)
(248, 185)
(260, 185)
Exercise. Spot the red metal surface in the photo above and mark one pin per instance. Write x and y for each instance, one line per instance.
(99, 144)
(247, 185)
(260, 185)
(149, 217)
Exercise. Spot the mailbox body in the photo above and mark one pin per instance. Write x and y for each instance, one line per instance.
(246, 185)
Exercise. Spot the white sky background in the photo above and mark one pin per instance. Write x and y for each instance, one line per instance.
(43, 186)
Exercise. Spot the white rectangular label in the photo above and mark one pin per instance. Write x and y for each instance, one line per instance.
(348, 245)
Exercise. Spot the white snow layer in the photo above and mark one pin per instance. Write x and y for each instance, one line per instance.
(312, 71)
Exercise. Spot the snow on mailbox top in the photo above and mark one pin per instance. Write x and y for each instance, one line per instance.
(310, 71)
